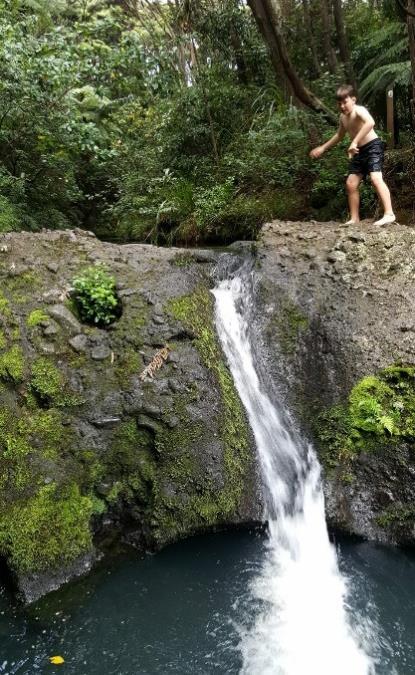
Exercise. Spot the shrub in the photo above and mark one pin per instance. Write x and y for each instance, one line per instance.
(96, 297)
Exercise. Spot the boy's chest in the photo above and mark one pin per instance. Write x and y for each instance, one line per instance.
(352, 123)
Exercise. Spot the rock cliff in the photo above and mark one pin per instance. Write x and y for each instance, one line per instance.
(336, 308)
(91, 449)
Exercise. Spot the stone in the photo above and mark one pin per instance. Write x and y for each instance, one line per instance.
(108, 422)
(306, 235)
(100, 353)
(51, 296)
(16, 270)
(51, 329)
(336, 256)
(152, 410)
(176, 386)
(356, 236)
(52, 267)
(47, 347)
(79, 342)
(69, 235)
(126, 292)
(65, 318)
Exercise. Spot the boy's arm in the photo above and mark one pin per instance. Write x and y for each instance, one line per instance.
(338, 136)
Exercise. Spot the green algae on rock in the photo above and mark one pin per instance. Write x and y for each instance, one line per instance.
(49, 529)
(202, 502)
(36, 317)
(12, 364)
(287, 323)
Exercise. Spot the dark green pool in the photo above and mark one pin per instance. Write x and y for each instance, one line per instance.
(182, 611)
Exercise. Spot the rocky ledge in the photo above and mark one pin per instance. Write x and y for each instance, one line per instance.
(133, 431)
(336, 308)
(136, 431)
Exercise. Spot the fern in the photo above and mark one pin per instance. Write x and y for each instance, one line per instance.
(387, 423)
(385, 57)
(380, 78)
(391, 55)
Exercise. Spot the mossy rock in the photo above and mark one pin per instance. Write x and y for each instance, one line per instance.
(12, 364)
(380, 411)
(198, 502)
(288, 323)
(47, 531)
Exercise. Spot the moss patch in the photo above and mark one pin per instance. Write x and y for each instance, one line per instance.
(48, 530)
(288, 322)
(130, 464)
(29, 441)
(380, 410)
(3, 340)
(200, 503)
(36, 317)
(4, 306)
(46, 380)
(397, 516)
(12, 364)
(43, 522)
(184, 259)
(49, 385)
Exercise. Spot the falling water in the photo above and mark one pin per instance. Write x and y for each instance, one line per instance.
(303, 627)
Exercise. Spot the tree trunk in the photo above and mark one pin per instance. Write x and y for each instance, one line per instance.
(343, 42)
(310, 32)
(242, 70)
(268, 25)
(328, 47)
(269, 39)
(410, 19)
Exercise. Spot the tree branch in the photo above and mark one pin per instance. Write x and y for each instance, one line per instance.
(405, 9)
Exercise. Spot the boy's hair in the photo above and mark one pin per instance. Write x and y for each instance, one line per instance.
(344, 91)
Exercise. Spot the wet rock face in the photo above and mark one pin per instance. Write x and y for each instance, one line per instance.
(335, 305)
(90, 448)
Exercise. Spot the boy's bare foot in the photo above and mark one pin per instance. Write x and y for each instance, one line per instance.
(387, 219)
(351, 222)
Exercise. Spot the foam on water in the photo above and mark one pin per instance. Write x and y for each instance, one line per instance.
(303, 627)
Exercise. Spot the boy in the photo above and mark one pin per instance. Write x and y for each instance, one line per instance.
(365, 153)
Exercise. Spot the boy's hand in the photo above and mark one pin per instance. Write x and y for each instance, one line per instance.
(352, 150)
(316, 152)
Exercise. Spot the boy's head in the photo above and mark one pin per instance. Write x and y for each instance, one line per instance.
(346, 98)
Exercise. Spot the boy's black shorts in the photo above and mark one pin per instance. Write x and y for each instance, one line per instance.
(369, 158)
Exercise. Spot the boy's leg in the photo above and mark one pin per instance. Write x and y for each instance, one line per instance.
(384, 196)
(352, 186)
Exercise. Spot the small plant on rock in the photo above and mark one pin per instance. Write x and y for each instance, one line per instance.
(96, 297)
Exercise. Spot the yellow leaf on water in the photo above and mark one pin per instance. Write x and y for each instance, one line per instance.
(56, 660)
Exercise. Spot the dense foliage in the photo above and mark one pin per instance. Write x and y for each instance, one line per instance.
(165, 123)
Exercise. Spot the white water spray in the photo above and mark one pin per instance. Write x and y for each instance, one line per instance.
(303, 628)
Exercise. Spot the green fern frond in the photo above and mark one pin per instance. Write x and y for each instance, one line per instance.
(387, 423)
(380, 78)
(390, 55)
(387, 34)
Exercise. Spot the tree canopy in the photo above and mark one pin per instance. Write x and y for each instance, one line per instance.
(185, 121)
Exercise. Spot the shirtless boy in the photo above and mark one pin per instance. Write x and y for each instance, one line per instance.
(365, 152)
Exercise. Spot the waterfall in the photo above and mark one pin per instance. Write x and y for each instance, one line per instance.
(303, 627)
